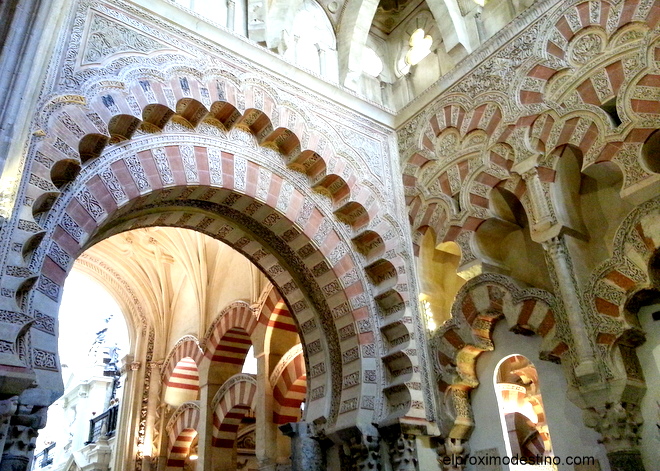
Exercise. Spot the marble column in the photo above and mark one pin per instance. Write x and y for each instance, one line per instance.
(306, 451)
(402, 451)
(231, 14)
(266, 433)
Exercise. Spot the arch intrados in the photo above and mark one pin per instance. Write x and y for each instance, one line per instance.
(280, 334)
(187, 346)
(232, 401)
(237, 314)
(136, 214)
(180, 448)
(232, 348)
(114, 284)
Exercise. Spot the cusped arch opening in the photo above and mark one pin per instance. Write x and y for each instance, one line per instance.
(64, 171)
(91, 146)
(191, 110)
(122, 127)
(224, 114)
(504, 240)
(308, 162)
(283, 141)
(439, 278)
(157, 116)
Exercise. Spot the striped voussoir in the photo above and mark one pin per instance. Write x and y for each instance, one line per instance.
(234, 403)
(186, 347)
(185, 375)
(181, 431)
(289, 390)
(229, 337)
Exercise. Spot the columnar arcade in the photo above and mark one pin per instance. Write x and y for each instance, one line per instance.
(435, 222)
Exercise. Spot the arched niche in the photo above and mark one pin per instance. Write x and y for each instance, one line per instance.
(439, 281)
(506, 243)
(309, 40)
(588, 204)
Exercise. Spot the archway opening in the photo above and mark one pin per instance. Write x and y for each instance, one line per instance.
(96, 336)
(522, 414)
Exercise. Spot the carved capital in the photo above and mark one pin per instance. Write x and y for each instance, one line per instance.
(452, 453)
(619, 425)
(364, 451)
(403, 453)
(24, 424)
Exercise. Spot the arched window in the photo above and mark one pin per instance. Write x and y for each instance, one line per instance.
(522, 414)
(309, 40)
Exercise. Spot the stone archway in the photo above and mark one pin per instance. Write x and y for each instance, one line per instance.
(132, 187)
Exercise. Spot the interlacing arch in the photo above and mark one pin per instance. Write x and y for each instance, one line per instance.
(580, 130)
(479, 305)
(575, 36)
(451, 192)
(616, 283)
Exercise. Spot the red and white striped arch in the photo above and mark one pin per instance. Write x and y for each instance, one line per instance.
(289, 388)
(180, 449)
(181, 431)
(229, 337)
(281, 319)
(180, 373)
(183, 384)
(187, 346)
(215, 178)
(232, 402)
